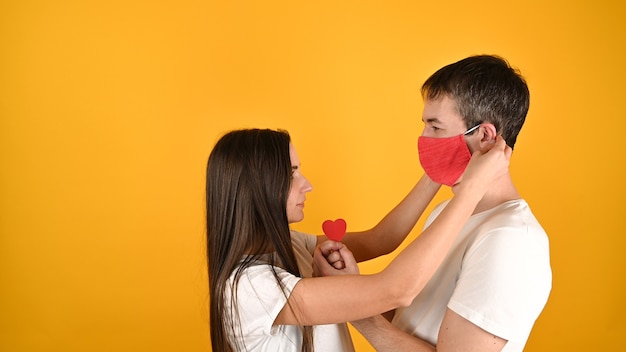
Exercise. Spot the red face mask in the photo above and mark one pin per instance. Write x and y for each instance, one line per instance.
(444, 159)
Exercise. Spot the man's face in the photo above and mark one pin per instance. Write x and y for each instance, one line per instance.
(441, 118)
(446, 162)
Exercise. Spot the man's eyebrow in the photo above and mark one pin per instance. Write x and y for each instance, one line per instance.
(431, 120)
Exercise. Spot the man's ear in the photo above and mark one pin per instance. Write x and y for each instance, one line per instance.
(488, 133)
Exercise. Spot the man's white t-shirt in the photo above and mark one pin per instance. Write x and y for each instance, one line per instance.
(497, 275)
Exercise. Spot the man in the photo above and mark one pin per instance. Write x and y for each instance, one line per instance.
(496, 279)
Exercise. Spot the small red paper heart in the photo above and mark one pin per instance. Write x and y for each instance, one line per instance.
(334, 230)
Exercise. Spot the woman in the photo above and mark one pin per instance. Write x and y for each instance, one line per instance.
(259, 300)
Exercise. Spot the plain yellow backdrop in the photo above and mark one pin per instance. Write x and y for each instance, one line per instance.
(109, 109)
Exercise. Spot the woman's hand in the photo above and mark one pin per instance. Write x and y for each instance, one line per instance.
(487, 166)
(333, 258)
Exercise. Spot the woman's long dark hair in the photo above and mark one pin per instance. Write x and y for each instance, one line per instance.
(247, 185)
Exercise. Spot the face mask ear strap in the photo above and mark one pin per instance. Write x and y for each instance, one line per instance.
(471, 129)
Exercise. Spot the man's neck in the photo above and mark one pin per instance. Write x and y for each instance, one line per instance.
(501, 191)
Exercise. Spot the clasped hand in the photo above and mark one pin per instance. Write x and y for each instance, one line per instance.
(333, 258)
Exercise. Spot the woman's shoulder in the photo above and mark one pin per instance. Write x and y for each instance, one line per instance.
(263, 274)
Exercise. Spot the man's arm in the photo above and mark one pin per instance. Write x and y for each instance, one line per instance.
(455, 334)
(389, 233)
(459, 334)
(385, 337)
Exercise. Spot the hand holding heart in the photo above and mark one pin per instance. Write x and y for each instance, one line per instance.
(333, 257)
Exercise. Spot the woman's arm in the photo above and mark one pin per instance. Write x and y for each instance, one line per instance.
(387, 235)
(335, 299)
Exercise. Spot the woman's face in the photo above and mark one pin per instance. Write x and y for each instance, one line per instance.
(299, 188)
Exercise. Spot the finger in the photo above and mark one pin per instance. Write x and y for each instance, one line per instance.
(497, 145)
(339, 264)
(335, 256)
(351, 266)
(329, 246)
(500, 142)
(320, 265)
(507, 150)
(503, 147)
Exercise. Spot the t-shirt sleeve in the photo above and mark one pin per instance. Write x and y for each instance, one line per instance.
(303, 248)
(504, 283)
(260, 298)
(303, 241)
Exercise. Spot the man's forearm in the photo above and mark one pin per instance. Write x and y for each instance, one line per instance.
(385, 337)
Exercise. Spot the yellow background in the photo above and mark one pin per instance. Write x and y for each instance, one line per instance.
(109, 110)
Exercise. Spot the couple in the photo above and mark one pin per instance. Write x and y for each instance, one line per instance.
(475, 279)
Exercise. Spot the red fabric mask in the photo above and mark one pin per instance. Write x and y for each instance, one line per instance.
(444, 159)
